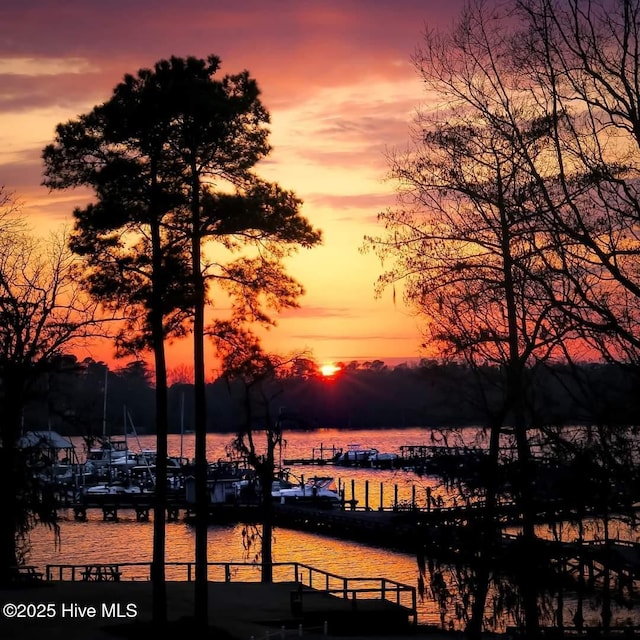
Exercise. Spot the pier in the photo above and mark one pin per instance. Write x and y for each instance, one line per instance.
(319, 455)
(300, 599)
(111, 504)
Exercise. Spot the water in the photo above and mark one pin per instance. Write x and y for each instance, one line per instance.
(131, 541)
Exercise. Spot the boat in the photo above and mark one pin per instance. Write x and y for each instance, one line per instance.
(125, 462)
(357, 456)
(385, 460)
(52, 457)
(114, 489)
(317, 489)
(147, 459)
(109, 452)
(278, 485)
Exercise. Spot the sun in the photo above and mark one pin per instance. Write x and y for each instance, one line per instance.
(328, 370)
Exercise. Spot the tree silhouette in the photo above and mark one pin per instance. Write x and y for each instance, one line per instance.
(169, 158)
(583, 61)
(43, 313)
(516, 232)
(252, 377)
(133, 262)
(219, 133)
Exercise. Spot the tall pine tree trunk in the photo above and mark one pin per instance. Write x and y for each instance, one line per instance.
(200, 419)
(158, 577)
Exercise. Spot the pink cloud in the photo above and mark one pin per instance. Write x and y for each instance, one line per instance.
(315, 61)
(291, 47)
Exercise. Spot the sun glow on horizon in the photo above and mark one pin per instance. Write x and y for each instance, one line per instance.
(327, 370)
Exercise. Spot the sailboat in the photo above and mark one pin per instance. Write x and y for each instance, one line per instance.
(110, 456)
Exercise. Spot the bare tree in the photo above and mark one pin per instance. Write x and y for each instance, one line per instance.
(516, 233)
(254, 375)
(467, 242)
(583, 60)
(43, 314)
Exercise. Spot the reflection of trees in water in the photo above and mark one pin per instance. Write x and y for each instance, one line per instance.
(575, 590)
(583, 562)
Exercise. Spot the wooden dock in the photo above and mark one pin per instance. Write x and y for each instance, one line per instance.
(236, 610)
(112, 504)
(319, 455)
(301, 596)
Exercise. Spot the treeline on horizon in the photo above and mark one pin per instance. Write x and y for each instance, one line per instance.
(360, 396)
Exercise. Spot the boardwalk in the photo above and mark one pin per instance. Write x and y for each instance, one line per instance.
(236, 610)
(302, 599)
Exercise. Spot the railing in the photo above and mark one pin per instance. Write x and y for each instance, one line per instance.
(302, 574)
(352, 588)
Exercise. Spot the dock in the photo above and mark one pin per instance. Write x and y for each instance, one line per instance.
(319, 455)
(111, 504)
(269, 614)
(302, 600)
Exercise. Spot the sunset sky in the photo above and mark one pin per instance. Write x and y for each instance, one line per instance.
(337, 79)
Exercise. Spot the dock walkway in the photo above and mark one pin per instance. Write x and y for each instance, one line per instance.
(238, 611)
(300, 600)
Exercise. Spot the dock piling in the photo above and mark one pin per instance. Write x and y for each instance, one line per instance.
(110, 512)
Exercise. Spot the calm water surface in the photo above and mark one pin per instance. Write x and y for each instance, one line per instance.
(131, 541)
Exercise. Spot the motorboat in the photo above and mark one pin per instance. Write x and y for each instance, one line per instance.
(385, 460)
(147, 459)
(125, 462)
(320, 489)
(279, 485)
(108, 453)
(112, 489)
(356, 455)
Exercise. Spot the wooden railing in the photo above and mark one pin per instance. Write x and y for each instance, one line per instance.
(302, 574)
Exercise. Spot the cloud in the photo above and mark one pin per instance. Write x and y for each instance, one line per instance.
(291, 47)
(317, 312)
(364, 207)
(336, 77)
(75, 92)
(354, 337)
(22, 173)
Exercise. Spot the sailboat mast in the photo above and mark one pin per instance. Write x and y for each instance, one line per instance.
(104, 404)
(181, 424)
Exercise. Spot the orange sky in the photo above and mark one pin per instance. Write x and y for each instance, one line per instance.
(337, 79)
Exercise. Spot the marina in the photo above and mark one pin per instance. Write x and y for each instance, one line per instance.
(371, 533)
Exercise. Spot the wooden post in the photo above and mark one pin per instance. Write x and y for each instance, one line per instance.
(413, 497)
(353, 489)
(395, 497)
(366, 495)
(428, 499)
(381, 507)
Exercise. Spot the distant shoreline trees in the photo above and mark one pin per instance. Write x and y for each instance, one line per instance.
(435, 395)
